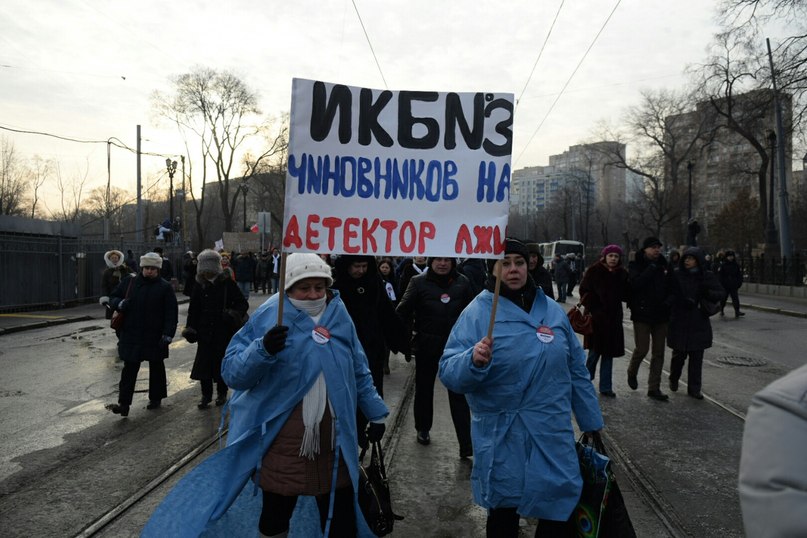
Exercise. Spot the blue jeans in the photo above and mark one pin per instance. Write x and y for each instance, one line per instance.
(244, 287)
(562, 291)
(606, 367)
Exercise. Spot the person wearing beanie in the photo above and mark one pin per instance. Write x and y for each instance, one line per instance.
(522, 385)
(215, 311)
(292, 380)
(537, 271)
(149, 306)
(377, 326)
(690, 331)
(431, 304)
(602, 291)
(731, 278)
(115, 270)
(652, 292)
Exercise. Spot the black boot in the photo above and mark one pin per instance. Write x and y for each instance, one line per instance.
(204, 403)
(118, 409)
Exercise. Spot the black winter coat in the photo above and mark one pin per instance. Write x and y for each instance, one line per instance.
(150, 313)
(434, 303)
(213, 328)
(602, 293)
(543, 279)
(730, 275)
(370, 308)
(690, 329)
(652, 289)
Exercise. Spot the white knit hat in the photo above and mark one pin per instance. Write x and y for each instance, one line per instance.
(300, 266)
(151, 259)
(208, 261)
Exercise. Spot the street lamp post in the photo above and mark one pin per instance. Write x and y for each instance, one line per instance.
(770, 229)
(689, 195)
(172, 167)
(245, 189)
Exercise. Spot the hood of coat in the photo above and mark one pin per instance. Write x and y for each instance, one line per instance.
(342, 266)
(110, 263)
(695, 252)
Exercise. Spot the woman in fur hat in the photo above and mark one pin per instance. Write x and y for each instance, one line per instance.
(215, 303)
(115, 270)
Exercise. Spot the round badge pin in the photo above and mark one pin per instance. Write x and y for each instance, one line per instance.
(545, 334)
(445, 298)
(321, 335)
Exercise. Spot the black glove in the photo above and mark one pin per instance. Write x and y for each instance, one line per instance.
(690, 303)
(375, 431)
(123, 305)
(408, 357)
(275, 339)
(190, 335)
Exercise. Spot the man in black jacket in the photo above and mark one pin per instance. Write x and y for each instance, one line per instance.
(432, 302)
(731, 278)
(652, 294)
(536, 269)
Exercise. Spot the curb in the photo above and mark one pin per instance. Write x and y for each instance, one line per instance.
(43, 324)
(774, 310)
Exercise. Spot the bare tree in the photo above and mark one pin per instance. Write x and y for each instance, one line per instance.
(12, 180)
(103, 204)
(70, 194)
(39, 171)
(216, 108)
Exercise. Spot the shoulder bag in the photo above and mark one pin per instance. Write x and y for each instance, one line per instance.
(116, 322)
(374, 496)
(580, 319)
(708, 308)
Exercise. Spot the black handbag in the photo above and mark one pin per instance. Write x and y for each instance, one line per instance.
(116, 321)
(709, 308)
(601, 511)
(374, 496)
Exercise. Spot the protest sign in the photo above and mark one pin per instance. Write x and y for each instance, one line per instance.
(400, 173)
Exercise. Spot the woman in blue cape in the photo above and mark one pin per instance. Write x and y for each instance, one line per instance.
(522, 386)
(293, 416)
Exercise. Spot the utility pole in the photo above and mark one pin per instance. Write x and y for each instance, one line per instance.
(785, 245)
(139, 211)
(770, 228)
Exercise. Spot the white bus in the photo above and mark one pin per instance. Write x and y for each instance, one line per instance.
(562, 247)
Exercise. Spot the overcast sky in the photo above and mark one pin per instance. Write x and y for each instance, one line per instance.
(86, 69)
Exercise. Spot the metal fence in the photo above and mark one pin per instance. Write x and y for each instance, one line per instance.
(44, 271)
(776, 270)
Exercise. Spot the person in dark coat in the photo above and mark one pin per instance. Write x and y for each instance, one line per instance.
(244, 267)
(603, 290)
(477, 272)
(131, 261)
(690, 329)
(167, 269)
(115, 270)
(386, 271)
(731, 278)
(535, 268)
(211, 325)
(652, 292)
(263, 274)
(673, 259)
(411, 268)
(151, 315)
(188, 273)
(563, 275)
(378, 328)
(434, 301)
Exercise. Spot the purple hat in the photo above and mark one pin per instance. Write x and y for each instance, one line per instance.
(611, 249)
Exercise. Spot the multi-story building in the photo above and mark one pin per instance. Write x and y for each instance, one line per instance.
(728, 161)
(582, 179)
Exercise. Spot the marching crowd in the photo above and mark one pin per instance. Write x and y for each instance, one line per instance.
(307, 367)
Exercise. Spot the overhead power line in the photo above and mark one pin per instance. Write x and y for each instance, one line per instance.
(119, 144)
(566, 85)
(372, 50)
(540, 53)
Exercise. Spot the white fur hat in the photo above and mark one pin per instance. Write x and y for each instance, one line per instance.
(208, 261)
(110, 263)
(151, 259)
(300, 266)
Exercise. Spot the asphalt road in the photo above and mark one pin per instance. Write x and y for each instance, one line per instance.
(65, 462)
